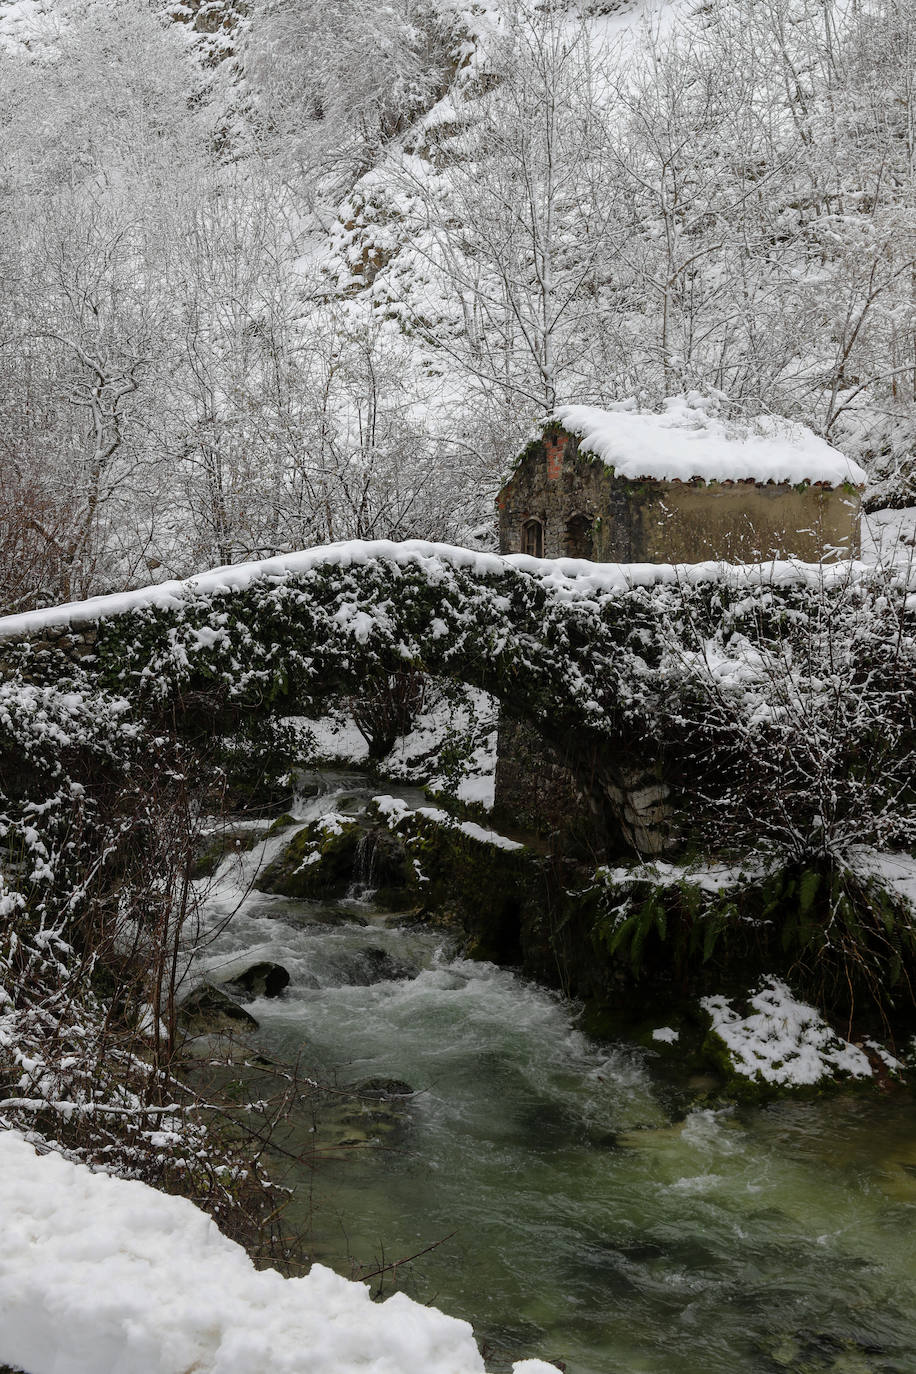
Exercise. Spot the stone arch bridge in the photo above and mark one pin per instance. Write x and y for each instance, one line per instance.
(593, 657)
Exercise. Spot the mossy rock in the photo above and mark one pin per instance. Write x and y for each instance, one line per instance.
(384, 1087)
(390, 869)
(208, 1010)
(396, 899)
(322, 861)
(319, 861)
(363, 1114)
(485, 889)
(281, 823)
(754, 1089)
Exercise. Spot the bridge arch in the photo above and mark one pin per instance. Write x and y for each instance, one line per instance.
(571, 649)
(552, 641)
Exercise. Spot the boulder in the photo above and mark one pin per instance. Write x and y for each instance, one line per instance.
(383, 1087)
(375, 965)
(339, 852)
(259, 980)
(319, 861)
(367, 1111)
(208, 1009)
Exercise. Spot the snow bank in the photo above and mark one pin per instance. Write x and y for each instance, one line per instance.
(688, 440)
(889, 536)
(332, 736)
(782, 1040)
(25, 24)
(895, 870)
(709, 877)
(101, 1275)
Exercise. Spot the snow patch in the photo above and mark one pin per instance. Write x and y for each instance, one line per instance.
(101, 1275)
(895, 870)
(332, 737)
(394, 809)
(27, 24)
(483, 836)
(479, 789)
(782, 1040)
(888, 535)
(713, 878)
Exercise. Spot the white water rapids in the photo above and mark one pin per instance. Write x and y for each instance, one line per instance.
(591, 1223)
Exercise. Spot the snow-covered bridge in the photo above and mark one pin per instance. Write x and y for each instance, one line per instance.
(593, 656)
(575, 576)
(566, 579)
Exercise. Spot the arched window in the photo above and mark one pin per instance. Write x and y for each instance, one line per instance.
(578, 541)
(533, 538)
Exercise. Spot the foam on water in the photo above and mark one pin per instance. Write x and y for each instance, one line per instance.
(590, 1226)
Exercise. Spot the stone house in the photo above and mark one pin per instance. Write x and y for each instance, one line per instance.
(679, 486)
(682, 486)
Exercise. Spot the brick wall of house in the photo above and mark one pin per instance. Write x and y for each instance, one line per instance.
(653, 521)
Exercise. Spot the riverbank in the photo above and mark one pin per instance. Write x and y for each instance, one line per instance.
(595, 1208)
(741, 958)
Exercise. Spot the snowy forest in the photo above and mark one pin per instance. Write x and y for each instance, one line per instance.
(310, 1025)
(279, 274)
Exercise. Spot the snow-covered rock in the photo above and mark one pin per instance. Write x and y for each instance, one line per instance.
(783, 1041)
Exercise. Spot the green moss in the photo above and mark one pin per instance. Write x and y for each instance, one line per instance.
(281, 823)
(735, 1086)
(317, 862)
(484, 890)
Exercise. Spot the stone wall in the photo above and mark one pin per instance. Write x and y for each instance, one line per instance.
(554, 485)
(74, 645)
(600, 814)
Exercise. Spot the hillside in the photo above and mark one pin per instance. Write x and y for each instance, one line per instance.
(274, 275)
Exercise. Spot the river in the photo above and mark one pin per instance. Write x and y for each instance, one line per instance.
(592, 1219)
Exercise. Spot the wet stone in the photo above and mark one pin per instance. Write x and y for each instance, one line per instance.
(208, 1009)
(375, 965)
(263, 979)
(384, 1087)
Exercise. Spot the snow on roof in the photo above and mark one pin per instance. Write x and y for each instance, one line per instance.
(689, 439)
(108, 1275)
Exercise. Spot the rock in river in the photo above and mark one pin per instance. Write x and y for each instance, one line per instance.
(208, 1009)
(263, 979)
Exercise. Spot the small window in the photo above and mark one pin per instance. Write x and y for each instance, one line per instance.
(578, 542)
(533, 538)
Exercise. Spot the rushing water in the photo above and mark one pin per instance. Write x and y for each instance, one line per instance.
(590, 1224)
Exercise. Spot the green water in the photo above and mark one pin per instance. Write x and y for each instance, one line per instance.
(590, 1224)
